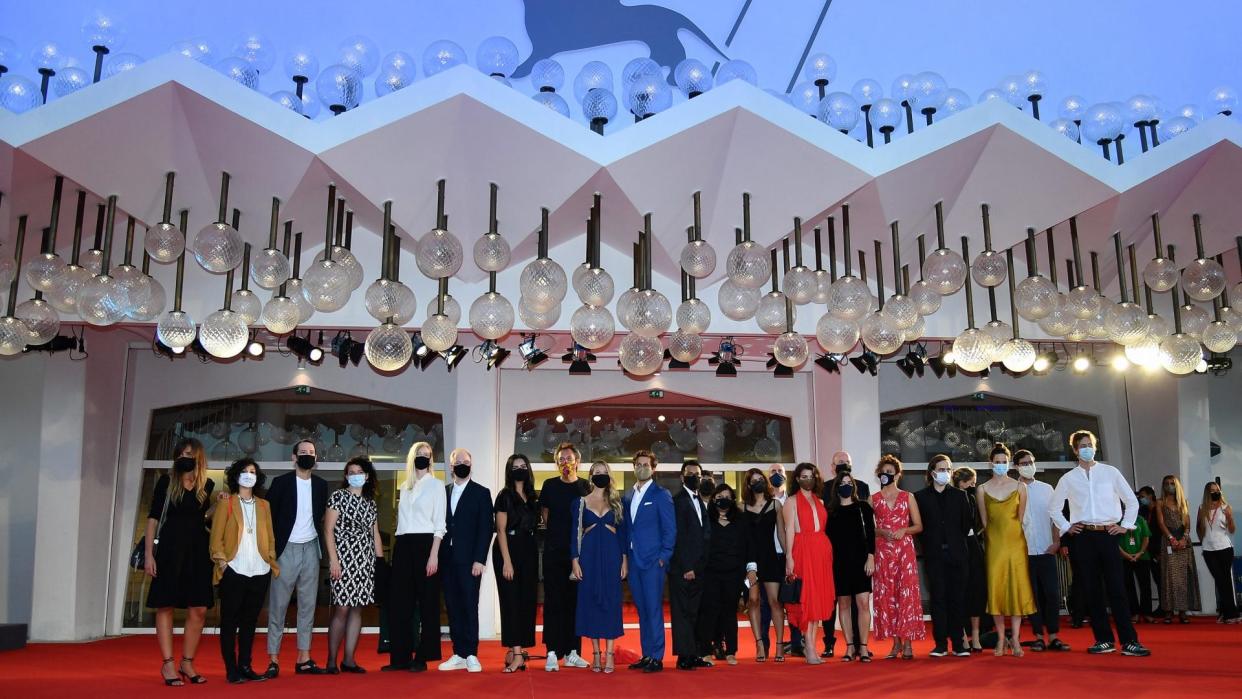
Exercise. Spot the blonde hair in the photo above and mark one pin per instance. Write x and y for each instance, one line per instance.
(1207, 497)
(610, 493)
(175, 489)
(1180, 495)
(411, 475)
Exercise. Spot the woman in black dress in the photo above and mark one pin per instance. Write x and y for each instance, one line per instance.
(514, 549)
(180, 565)
(851, 528)
(725, 573)
(964, 477)
(766, 568)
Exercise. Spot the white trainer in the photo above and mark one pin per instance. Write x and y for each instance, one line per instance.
(454, 663)
(575, 660)
(551, 665)
(472, 664)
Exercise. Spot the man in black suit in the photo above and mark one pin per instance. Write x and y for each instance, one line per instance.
(463, 558)
(298, 501)
(947, 520)
(842, 462)
(685, 584)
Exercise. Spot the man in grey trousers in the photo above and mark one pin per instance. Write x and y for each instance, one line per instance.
(298, 501)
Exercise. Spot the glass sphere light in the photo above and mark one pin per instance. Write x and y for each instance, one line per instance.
(218, 247)
(945, 271)
(438, 254)
(360, 54)
(736, 69)
(19, 94)
(989, 269)
(497, 56)
(771, 314)
(492, 253)
(543, 284)
(1180, 354)
(880, 334)
(223, 334)
(685, 346)
(738, 302)
(176, 329)
(41, 320)
(836, 335)
(339, 87)
(694, 316)
(388, 347)
(592, 326)
(491, 316)
(641, 355)
(239, 71)
(973, 350)
(1203, 279)
(280, 316)
(1035, 297)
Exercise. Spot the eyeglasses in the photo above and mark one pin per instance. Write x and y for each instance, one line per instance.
(1026, 463)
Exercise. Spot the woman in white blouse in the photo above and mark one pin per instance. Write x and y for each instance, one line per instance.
(1216, 528)
(415, 564)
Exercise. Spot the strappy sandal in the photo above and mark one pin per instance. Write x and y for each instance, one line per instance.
(761, 651)
(908, 653)
(894, 653)
(779, 655)
(1015, 648)
(595, 666)
(510, 667)
(192, 679)
(176, 679)
(611, 664)
(863, 657)
(848, 657)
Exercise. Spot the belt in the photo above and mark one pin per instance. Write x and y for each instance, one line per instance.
(1096, 527)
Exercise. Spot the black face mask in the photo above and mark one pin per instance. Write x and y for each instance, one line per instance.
(184, 464)
(422, 463)
(886, 478)
(777, 480)
(306, 461)
(461, 470)
(1215, 497)
(724, 504)
(520, 474)
(758, 487)
(846, 490)
(601, 480)
(691, 481)
(843, 468)
(706, 488)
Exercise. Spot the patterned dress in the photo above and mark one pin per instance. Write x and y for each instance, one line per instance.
(1179, 580)
(895, 584)
(355, 549)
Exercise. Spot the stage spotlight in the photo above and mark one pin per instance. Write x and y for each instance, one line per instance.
(420, 350)
(579, 360)
(60, 343)
(254, 348)
(597, 418)
(1219, 365)
(199, 351)
(1081, 364)
(303, 349)
(947, 357)
(163, 350)
(660, 418)
(780, 371)
(830, 363)
(867, 362)
(531, 355)
(347, 349)
(1202, 366)
(560, 419)
(491, 353)
(913, 362)
(675, 364)
(1044, 362)
(726, 359)
(1120, 363)
(453, 356)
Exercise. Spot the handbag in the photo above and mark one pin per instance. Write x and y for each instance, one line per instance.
(138, 557)
(791, 591)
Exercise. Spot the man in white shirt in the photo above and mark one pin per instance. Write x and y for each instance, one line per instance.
(1042, 544)
(1095, 492)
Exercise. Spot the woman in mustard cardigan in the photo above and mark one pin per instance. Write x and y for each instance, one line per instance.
(244, 552)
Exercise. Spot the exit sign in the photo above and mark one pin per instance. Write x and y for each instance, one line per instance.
(302, 390)
(655, 393)
(979, 396)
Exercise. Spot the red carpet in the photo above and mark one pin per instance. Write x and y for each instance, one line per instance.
(1197, 660)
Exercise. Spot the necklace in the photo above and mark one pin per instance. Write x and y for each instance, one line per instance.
(248, 515)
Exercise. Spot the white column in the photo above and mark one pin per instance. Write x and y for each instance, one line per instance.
(21, 418)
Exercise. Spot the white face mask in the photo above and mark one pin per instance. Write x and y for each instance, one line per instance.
(1027, 470)
(247, 480)
(941, 477)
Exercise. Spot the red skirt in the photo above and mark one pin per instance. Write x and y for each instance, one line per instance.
(813, 566)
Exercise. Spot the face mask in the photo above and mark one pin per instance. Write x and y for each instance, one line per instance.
(601, 480)
(1215, 497)
(706, 488)
(461, 470)
(757, 487)
(1027, 470)
(691, 481)
(806, 483)
(567, 469)
(1170, 489)
(247, 480)
(422, 463)
(842, 467)
(941, 477)
(1000, 468)
(642, 472)
(724, 504)
(1145, 501)
(306, 461)
(184, 464)
(846, 490)
(777, 480)
(356, 480)
(1086, 454)
(519, 473)
(886, 479)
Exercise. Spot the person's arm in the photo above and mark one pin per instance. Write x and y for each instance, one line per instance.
(1186, 529)
(379, 540)
(270, 554)
(159, 500)
(668, 527)
(1129, 503)
(1200, 523)
(483, 527)
(791, 528)
(1164, 530)
(868, 517)
(780, 527)
(981, 499)
(329, 537)
(502, 539)
(217, 535)
(1060, 494)
(1021, 501)
(916, 517)
(1143, 541)
(574, 549)
(1229, 519)
(623, 538)
(439, 502)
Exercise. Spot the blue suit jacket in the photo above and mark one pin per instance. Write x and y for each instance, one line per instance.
(653, 533)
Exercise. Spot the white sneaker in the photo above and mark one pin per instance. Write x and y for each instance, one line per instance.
(575, 660)
(472, 664)
(454, 663)
(551, 665)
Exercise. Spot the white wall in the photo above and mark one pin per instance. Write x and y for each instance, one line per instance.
(21, 416)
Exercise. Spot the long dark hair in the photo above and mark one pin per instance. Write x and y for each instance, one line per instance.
(817, 487)
(370, 489)
(235, 470)
(528, 481)
(748, 497)
(833, 499)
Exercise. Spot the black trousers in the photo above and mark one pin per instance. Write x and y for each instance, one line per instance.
(1097, 562)
(412, 588)
(946, 586)
(1220, 564)
(1145, 572)
(241, 598)
(461, 601)
(1046, 586)
(560, 604)
(717, 622)
(518, 597)
(684, 599)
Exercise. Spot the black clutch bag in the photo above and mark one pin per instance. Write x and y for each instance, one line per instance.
(383, 580)
(791, 591)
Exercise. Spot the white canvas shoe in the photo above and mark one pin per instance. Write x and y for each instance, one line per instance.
(551, 665)
(575, 660)
(472, 664)
(454, 663)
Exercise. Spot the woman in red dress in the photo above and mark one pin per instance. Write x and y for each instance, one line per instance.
(810, 557)
(895, 585)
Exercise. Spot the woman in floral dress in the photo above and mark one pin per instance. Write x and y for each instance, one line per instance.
(895, 584)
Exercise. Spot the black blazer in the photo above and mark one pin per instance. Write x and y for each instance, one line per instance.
(690, 548)
(468, 529)
(947, 520)
(282, 495)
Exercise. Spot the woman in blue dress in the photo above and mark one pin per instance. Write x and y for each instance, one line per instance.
(597, 546)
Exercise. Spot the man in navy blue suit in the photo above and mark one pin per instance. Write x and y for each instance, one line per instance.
(463, 558)
(652, 532)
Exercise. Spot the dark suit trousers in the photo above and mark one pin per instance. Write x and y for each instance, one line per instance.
(684, 598)
(411, 587)
(241, 598)
(1046, 585)
(461, 598)
(1097, 558)
(560, 604)
(946, 585)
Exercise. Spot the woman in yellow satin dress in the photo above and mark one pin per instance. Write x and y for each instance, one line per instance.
(1002, 503)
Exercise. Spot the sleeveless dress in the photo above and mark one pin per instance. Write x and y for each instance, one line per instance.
(1009, 583)
(895, 584)
(1179, 579)
(599, 556)
(355, 549)
(183, 558)
(812, 552)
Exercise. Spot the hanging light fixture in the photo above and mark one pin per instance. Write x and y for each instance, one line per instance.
(388, 347)
(592, 325)
(736, 302)
(924, 295)
(1018, 354)
(1160, 274)
(389, 297)
(223, 334)
(836, 335)
(326, 285)
(998, 329)
(14, 333)
(973, 349)
(134, 285)
(686, 345)
(439, 253)
(790, 348)
(642, 353)
(1059, 320)
(1180, 352)
(851, 299)
(342, 255)
(94, 256)
(916, 329)
(439, 332)
(270, 268)
(491, 251)
(698, 257)
(880, 332)
(944, 269)
(245, 303)
(1126, 322)
(163, 241)
(823, 278)
(44, 271)
(1204, 278)
(771, 314)
(1145, 352)
(64, 296)
(1219, 336)
(102, 301)
(747, 264)
(42, 321)
(156, 298)
(176, 328)
(800, 283)
(294, 286)
(1035, 296)
(900, 308)
(218, 246)
(542, 285)
(1082, 301)
(988, 269)
(281, 314)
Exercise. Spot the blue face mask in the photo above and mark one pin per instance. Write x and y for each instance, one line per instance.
(777, 480)
(1000, 468)
(1086, 454)
(356, 480)
(941, 477)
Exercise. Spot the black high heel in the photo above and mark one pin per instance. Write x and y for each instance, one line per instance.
(175, 681)
(848, 657)
(779, 655)
(863, 657)
(192, 679)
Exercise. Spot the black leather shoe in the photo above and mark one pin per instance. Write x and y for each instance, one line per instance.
(249, 673)
(234, 678)
(699, 662)
(308, 668)
(685, 665)
(353, 669)
(395, 667)
(654, 666)
(641, 664)
(273, 671)
(418, 666)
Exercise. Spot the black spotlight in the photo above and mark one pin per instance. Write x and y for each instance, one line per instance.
(491, 353)
(1219, 365)
(726, 359)
(420, 350)
(674, 363)
(199, 351)
(347, 349)
(60, 343)
(453, 356)
(531, 355)
(303, 349)
(913, 362)
(867, 362)
(579, 360)
(780, 371)
(940, 367)
(163, 350)
(830, 363)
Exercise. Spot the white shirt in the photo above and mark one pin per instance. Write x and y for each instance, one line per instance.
(458, 489)
(421, 508)
(695, 499)
(1216, 532)
(1037, 524)
(639, 489)
(248, 562)
(1094, 498)
(303, 523)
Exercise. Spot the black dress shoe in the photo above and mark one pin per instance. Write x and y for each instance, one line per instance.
(308, 668)
(699, 662)
(418, 666)
(641, 664)
(273, 671)
(685, 665)
(234, 678)
(353, 669)
(654, 666)
(249, 673)
(395, 667)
